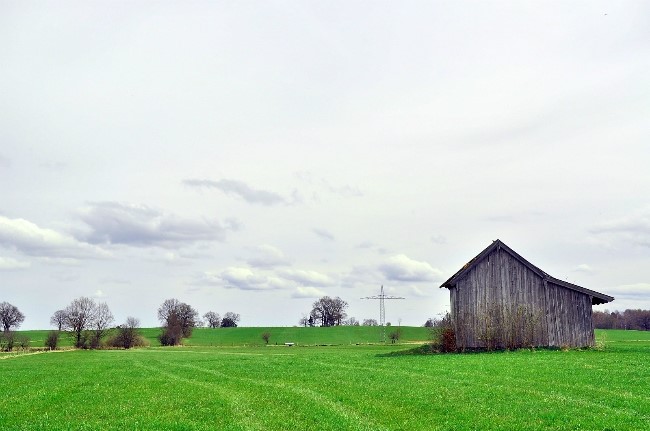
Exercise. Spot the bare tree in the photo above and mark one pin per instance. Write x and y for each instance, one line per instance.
(178, 319)
(10, 316)
(230, 320)
(352, 321)
(213, 319)
(58, 319)
(80, 315)
(370, 322)
(330, 311)
(266, 336)
(103, 320)
(304, 321)
(127, 334)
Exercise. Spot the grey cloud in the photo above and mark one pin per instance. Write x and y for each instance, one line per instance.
(33, 240)
(307, 278)
(323, 234)
(439, 239)
(139, 225)
(640, 291)
(634, 228)
(4, 162)
(267, 256)
(344, 190)
(242, 190)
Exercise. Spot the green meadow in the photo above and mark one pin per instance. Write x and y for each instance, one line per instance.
(227, 379)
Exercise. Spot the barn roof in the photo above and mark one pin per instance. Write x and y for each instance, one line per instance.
(596, 297)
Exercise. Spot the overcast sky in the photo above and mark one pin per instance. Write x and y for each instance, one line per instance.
(254, 156)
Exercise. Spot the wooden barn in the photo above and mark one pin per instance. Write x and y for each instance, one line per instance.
(500, 300)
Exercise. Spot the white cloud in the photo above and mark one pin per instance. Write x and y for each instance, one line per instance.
(307, 292)
(401, 268)
(7, 263)
(244, 279)
(583, 267)
(29, 238)
(307, 278)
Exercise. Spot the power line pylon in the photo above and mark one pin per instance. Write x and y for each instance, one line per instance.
(382, 310)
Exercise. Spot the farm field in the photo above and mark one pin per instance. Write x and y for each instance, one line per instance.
(346, 387)
(251, 336)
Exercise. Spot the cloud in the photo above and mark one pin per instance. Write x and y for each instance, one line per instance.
(583, 267)
(439, 239)
(323, 234)
(633, 228)
(402, 268)
(640, 291)
(7, 263)
(307, 278)
(4, 162)
(267, 256)
(418, 292)
(344, 190)
(242, 190)
(28, 238)
(242, 279)
(139, 225)
(307, 292)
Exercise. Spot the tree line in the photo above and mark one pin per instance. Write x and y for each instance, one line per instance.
(628, 319)
(90, 324)
(328, 311)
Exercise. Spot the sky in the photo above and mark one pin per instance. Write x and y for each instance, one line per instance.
(255, 156)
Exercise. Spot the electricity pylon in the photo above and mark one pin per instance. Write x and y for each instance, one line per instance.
(382, 310)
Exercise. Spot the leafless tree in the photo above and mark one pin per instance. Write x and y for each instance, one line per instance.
(213, 319)
(178, 319)
(266, 336)
(127, 335)
(330, 311)
(230, 320)
(352, 321)
(103, 320)
(58, 319)
(80, 316)
(370, 322)
(10, 316)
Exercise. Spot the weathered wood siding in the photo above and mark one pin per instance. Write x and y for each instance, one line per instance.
(500, 303)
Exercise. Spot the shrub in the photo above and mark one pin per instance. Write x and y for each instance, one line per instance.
(52, 340)
(443, 335)
(127, 336)
(7, 341)
(23, 341)
(171, 336)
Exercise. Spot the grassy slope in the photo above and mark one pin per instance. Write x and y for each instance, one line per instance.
(244, 336)
(330, 388)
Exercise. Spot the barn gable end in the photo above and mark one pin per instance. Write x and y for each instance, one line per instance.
(500, 300)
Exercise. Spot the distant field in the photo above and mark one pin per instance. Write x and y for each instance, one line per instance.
(346, 387)
(253, 336)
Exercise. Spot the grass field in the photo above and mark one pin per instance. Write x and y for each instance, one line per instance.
(253, 336)
(345, 387)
